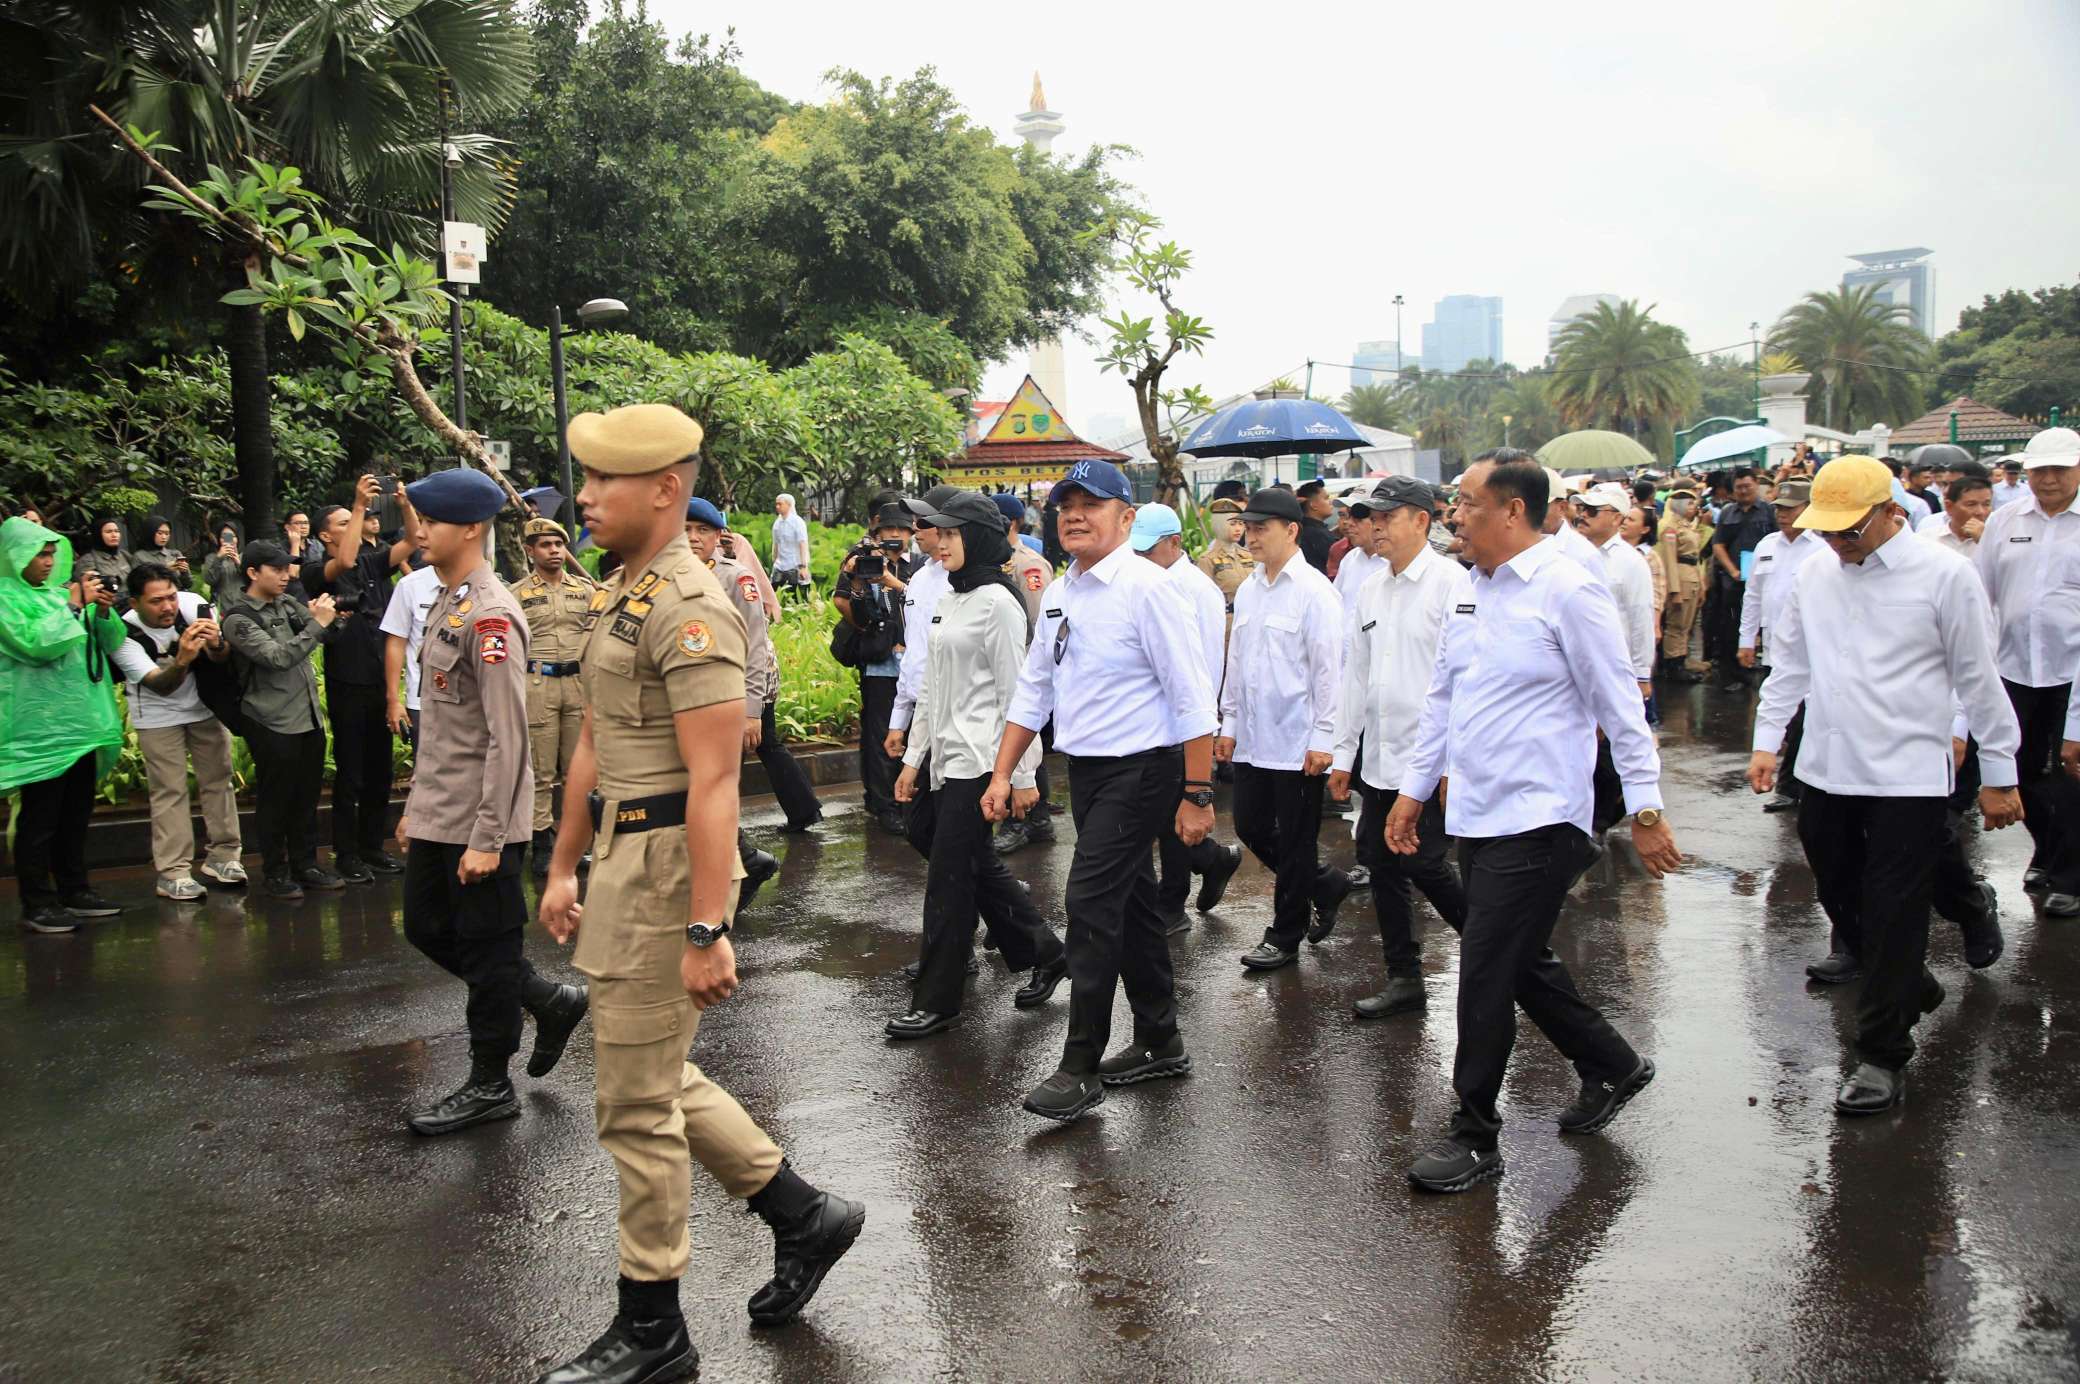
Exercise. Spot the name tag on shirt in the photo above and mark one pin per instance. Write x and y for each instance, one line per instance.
(2020, 538)
(1760, 560)
(1054, 614)
(1366, 626)
(937, 618)
(1463, 610)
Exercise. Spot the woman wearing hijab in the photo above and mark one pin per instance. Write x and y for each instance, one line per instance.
(155, 544)
(977, 646)
(107, 560)
(218, 552)
(59, 727)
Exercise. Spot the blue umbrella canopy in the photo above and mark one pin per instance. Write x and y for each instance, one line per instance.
(1274, 428)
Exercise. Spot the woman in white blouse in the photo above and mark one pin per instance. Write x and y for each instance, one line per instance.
(977, 645)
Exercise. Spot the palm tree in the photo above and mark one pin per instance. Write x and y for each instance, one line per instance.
(1863, 353)
(364, 96)
(1376, 406)
(1620, 369)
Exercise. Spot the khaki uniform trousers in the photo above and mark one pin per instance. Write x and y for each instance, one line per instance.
(555, 716)
(656, 1112)
(1676, 623)
(167, 750)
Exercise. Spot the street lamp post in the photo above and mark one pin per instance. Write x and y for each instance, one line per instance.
(594, 313)
(1505, 429)
(1398, 300)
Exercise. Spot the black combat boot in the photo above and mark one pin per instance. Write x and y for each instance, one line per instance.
(811, 1232)
(646, 1343)
(488, 1095)
(557, 1010)
(544, 847)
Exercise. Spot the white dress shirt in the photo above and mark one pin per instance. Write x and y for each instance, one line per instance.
(1881, 653)
(921, 597)
(1632, 588)
(1210, 614)
(151, 710)
(411, 601)
(1116, 661)
(1525, 674)
(1395, 625)
(2030, 562)
(976, 644)
(1287, 651)
(2006, 494)
(1580, 551)
(1936, 529)
(1777, 560)
(790, 542)
(1354, 571)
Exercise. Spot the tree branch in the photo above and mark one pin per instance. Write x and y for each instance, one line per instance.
(217, 216)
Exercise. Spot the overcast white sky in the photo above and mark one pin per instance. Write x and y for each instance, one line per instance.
(1719, 161)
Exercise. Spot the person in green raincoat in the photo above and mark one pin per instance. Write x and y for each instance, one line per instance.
(60, 729)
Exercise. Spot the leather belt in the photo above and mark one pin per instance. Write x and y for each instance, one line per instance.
(640, 814)
(1689, 561)
(569, 668)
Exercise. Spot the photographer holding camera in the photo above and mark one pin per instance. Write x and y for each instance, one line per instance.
(869, 598)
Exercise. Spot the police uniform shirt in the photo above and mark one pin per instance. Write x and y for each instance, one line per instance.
(1115, 661)
(1287, 657)
(1227, 564)
(1209, 614)
(1877, 651)
(555, 613)
(471, 782)
(1632, 589)
(762, 668)
(2030, 562)
(1777, 560)
(1526, 673)
(920, 600)
(1395, 624)
(1031, 574)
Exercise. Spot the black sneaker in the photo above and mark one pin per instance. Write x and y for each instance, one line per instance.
(284, 887)
(1012, 836)
(1214, 883)
(1141, 1063)
(319, 878)
(553, 1023)
(473, 1103)
(48, 921)
(1600, 1101)
(351, 871)
(1451, 1166)
(1065, 1096)
(1040, 828)
(88, 904)
(1266, 957)
(2036, 877)
(632, 1352)
(383, 863)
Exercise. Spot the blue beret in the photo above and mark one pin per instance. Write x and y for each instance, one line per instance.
(457, 496)
(1010, 506)
(699, 511)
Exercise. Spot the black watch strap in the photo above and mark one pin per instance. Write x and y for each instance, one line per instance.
(704, 934)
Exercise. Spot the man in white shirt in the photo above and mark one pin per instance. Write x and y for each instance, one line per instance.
(1116, 661)
(1158, 535)
(1358, 564)
(168, 631)
(1523, 680)
(1877, 645)
(1777, 560)
(2011, 488)
(404, 630)
(1963, 520)
(2029, 559)
(1558, 524)
(1278, 724)
(1600, 513)
(1393, 631)
(790, 546)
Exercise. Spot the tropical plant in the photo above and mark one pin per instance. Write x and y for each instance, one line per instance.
(1864, 354)
(1376, 406)
(2019, 352)
(876, 423)
(1136, 351)
(1618, 368)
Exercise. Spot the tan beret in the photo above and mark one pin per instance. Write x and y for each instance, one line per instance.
(540, 528)
(1225, 506)
(634, 441)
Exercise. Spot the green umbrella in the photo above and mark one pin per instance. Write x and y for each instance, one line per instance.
(1595, 450)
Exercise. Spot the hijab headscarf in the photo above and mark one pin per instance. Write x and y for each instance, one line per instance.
(985, 550)
(96, 544)
(147, 538)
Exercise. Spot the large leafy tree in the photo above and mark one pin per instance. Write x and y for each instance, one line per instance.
(1619, 368)
(1865, 357)
(2017, 351)
(365, 96)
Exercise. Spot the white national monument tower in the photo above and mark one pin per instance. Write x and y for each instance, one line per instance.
(1039, 127)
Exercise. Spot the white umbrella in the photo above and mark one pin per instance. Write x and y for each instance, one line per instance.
(1731, 443)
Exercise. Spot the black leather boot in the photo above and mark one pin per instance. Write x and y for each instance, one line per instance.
(811, 1232)
(487, 1095)
(646, 1343)
(555, 1016)
(544, 846)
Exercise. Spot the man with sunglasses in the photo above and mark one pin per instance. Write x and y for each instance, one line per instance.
(1115, 660)
(1877, 644)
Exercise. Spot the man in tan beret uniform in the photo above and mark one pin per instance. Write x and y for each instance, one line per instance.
(653, 789)
(556, 599)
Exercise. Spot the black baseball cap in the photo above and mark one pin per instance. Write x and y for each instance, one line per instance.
(1273, 503)
(1231, 489)
(1308, 487)
(933, 498)
(1395, 492)
(964, 507)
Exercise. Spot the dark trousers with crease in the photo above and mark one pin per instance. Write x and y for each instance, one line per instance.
(361, 769)
(964, 870)
(790, 785)
(1396, 877)
(1515, 886)
(50, 835)
(920, 826)
(474, 932)
(877, 768)
(1874, 862)
(2050, 796)
(1278, 816)
(1116, 930)
(288, 770)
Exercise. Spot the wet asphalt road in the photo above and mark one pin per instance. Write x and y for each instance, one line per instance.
(208, 1178)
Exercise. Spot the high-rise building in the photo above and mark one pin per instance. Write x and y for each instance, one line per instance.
(1040, 127)
(1462, 328)
(1581, 305)
(1904, 278)
(1377, 362)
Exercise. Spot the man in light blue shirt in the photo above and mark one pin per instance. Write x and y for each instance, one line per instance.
(790, 547)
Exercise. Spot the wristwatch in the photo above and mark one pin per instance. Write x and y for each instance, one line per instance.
(703, 935)
(1199, 797)
(1648, 816)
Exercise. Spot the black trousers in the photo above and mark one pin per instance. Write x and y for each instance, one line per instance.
(1429, 869)
(921, 830)
(1116, 931)
(790, 785)
(288, 771)
(1514, 888)
(361, 769)
(474, 932)
(1278, 816)
(964, 869)
(877, 768)
(2050, 796)
(1041, 780)
(50, 837)
(1722, 623)
(1794, 736)
(1873, 862)
(1180, 862)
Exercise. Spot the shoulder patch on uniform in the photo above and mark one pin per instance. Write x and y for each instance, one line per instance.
(1036, 580)
(625, 629)
(747, 588)
(491, 647)
(694, 639)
